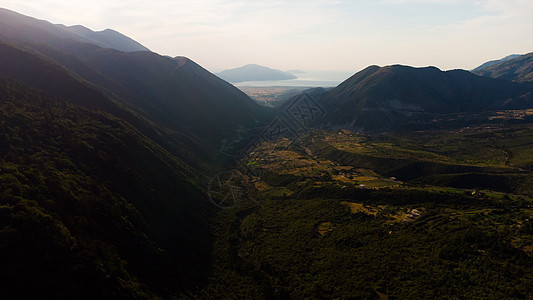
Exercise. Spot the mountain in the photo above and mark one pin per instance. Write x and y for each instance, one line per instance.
(519, 69)
(23, 28)
(91, 195)
(107, 164)
(107, 38)
(104, 160)
(254, 72)
(174, 93)
(495, 62)
(380, 98)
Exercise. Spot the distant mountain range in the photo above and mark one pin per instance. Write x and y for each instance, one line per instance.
(254, 72)
(517, 68)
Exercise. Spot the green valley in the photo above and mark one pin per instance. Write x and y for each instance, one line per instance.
(128, 174)
(318, 224)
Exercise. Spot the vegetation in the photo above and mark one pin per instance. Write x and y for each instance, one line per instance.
(402, 97)
(93, 208)
(324, 237)
(518, 69)
(106, 171)
(88, 201)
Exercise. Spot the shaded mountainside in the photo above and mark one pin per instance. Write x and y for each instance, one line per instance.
(27, 29)
(380, 98)
(254, 72)
(172, 92)
(519, 69)
(89, 201)
(38, 72)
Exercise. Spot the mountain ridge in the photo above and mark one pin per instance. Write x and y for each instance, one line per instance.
(23, 28)
(380, 98)
(519, 69)
(495, 62)
(107, 38)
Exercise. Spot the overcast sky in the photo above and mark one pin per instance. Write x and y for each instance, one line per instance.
(310, 34)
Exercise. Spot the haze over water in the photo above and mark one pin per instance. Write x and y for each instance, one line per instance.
(308, 78)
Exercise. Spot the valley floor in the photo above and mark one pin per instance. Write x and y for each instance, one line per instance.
(335, 214)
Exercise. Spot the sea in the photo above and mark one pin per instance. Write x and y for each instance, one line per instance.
(305, 79)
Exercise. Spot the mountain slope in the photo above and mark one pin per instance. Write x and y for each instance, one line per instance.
(36, 71)
(107, 38)
(380, 98)
(26, 29)
(494, 62)
(254, 72)
(33, 70)
(90, 206)
(519, 69)
(173, 93)
(104, 159)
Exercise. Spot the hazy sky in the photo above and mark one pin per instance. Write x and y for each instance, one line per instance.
(311, 34)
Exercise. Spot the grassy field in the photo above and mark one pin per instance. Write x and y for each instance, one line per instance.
(498, 158)
(494, 146)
